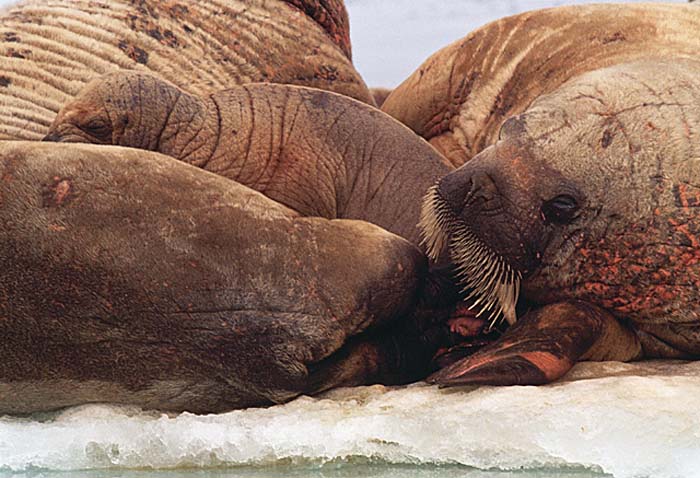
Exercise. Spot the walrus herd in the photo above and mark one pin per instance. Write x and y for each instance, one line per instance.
(245, 225)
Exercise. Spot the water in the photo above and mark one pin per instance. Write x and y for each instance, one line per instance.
(604, 421)
(638, 425)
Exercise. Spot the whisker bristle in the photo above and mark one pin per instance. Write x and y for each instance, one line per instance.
(485, 275)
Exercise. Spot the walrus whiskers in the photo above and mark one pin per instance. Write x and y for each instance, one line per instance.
(492, 281)
(434, 223)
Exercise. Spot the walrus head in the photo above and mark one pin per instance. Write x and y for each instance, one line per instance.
(497, 215)
(83, 120)
(588, 195)
(110, 110)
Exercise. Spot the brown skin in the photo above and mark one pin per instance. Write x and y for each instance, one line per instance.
(333, 18)
(459, 98)
(592, 195)
(319, 153)
(131, 278)
(380, 95)
(50, 50)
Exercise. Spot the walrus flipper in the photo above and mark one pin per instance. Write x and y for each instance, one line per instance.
(544, 345)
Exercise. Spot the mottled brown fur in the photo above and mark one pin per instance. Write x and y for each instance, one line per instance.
(459, 98)
(50, 50)
(319, 153)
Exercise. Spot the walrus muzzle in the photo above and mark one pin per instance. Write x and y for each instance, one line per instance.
(491, 280)
(478, 214)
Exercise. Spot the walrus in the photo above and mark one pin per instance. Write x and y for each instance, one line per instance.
(459, 98)
(50, 50)
(589, 201)
(380, 95)
(320, 153)
(132, 278)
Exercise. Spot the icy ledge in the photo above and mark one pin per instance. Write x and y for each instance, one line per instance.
(626, 420)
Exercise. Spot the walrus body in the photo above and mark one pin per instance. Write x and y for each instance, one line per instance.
(50, 50)
(317, 152)
(591, 197)
(128, 277)
(459, 98)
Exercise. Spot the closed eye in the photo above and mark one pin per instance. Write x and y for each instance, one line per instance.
(562, 209)
(97, 128)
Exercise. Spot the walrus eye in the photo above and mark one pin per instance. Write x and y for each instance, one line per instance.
(560, 210)
(98, 128)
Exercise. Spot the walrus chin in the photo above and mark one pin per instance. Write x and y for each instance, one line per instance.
(486, 275)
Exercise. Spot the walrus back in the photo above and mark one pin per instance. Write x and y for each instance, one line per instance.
(49, 51)
(460, 96)
(117, 287)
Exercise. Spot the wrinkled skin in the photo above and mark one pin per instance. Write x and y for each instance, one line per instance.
(132, 278)
(459, 98)
(50, 50)
(319, 153)
(592, 195)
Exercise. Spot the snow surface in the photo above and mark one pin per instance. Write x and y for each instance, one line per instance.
(626, 420)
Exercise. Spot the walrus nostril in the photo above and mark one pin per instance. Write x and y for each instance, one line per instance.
(454, 190)
(461, 190)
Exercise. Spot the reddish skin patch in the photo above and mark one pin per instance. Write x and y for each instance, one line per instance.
(552, 366)
(21, 54)
(58, 194)
(11, 37)
(686, 196)
(135, 53)
(479, 360)
(615, 37)
(635, 274)
(465, 323)
(62, 189)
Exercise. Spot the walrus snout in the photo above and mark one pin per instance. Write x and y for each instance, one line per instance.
(464, 188)
(496, 197)
(52, 137)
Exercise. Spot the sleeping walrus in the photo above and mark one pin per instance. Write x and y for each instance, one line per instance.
(129, 277)
(320, 153)
(589, 201)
